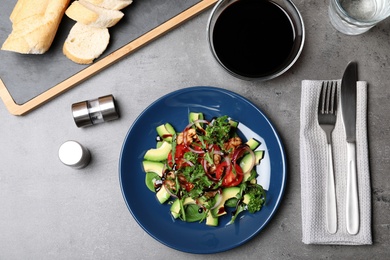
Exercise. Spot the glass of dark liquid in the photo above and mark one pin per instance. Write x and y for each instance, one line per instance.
(256, 39)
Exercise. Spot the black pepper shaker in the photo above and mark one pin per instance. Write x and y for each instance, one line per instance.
(95, 111)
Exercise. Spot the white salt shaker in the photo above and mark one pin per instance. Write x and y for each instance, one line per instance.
(73, 154)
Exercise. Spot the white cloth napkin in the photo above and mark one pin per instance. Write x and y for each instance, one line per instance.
(313, 159)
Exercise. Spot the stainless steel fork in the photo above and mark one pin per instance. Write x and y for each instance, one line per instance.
(327, 108)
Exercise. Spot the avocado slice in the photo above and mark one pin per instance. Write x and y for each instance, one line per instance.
(166, 132)
(170, 128)
(211, 220)
(163, 195)
(156, 167)
(246, 199)
(233, 123)
(193, 116)
(249, 175)
(253, 144)
(158, 154)
(245, 162)
(175, 208)
(227, 193)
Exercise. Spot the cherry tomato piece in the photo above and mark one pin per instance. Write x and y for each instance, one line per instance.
(230, 177)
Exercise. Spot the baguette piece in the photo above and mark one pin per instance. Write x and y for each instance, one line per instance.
(90, 14)
(35, 23)
(85, 43)
(111, 4)
(15, 12)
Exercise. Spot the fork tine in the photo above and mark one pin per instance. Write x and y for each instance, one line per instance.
(321, 104)
(328, 91)
(328, 99)
(334, 97)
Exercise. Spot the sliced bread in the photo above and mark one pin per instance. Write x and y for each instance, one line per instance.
(111, 4)
(90, 14)
(85, 43)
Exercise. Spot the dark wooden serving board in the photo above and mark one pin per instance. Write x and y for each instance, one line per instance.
(28, 81)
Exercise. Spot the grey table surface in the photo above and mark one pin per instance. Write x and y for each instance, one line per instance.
(50, 211)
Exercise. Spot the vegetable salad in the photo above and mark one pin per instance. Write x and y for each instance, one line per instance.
(205, 169)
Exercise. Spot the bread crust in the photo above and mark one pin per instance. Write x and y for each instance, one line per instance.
(111, 4)
(79, 13)
(35, 23)
(85, 43)
(90, 14)
(74, 58)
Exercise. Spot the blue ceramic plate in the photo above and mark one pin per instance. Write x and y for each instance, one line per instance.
(154, 218)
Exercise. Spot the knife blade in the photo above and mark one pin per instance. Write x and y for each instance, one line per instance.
(348, 107)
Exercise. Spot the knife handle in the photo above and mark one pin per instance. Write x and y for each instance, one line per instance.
(331, 210)
(352, 213)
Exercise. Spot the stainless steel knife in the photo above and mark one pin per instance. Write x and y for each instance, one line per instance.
(348, 106)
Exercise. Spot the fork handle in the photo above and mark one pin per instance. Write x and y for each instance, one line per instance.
(331, 209)
(352, 213)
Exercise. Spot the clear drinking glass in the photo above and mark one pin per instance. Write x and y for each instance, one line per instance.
(355, 17)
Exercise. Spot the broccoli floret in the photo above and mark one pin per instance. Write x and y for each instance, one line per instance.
(251, 197)
(240, 208)
(254, 197)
